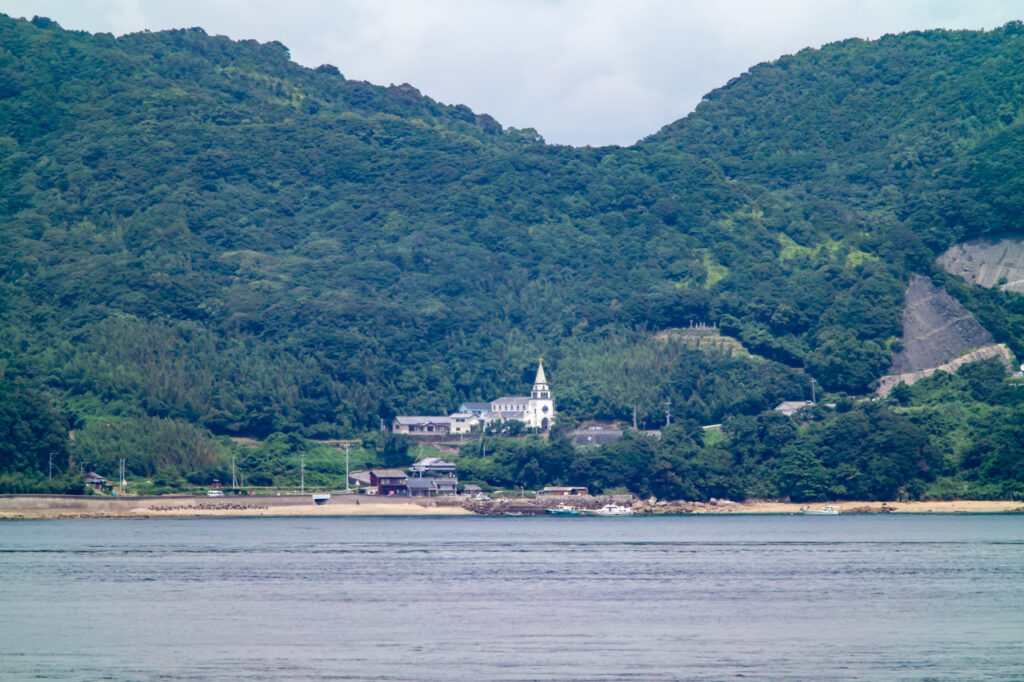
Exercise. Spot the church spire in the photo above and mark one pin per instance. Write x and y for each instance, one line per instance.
(540, 384)
(541, 379)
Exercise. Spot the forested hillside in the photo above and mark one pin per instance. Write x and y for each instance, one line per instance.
(197, 232)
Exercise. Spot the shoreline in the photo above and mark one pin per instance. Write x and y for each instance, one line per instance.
(856, 507)
(27, 507)
(193, 506)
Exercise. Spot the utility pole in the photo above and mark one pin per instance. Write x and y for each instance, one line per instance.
(346, 468)
(302, 467)
(813, 399)
(51, 464)
(668, 412)
(123, 482)
(634, 417)
(234, 481)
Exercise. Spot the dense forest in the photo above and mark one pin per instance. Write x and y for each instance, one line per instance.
(200, 239)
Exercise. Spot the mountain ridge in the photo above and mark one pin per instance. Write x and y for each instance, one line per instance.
(198, 229)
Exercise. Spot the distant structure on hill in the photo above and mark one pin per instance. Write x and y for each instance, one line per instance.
(535, 411)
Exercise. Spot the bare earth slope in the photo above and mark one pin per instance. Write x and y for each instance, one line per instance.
(936, 329)
(938, 334)
(987, 262)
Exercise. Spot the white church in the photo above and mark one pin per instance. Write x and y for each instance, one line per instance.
(535, 411)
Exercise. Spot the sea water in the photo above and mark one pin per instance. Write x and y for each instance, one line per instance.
(933, 597)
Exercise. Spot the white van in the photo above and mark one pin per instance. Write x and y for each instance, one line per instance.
(215, 493)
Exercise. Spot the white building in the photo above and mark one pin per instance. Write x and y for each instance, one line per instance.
(536, 410)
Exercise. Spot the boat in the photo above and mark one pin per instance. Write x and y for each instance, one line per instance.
(608, 510)
(321, 498)
(564, 510)
(827, 510)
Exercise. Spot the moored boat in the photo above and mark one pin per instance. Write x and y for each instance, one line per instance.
(827, 510)
(564, 510)
(608, 510)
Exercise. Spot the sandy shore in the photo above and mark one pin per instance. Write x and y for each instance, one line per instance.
(72, 506)
(954, 507)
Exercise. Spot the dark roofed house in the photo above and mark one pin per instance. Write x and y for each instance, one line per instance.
(471, 489)
(421, 487)
(95, 481)
(389, 481)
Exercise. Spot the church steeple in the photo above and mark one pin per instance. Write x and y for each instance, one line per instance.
(540, 384)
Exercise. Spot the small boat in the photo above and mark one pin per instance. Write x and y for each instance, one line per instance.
(564, 510)
(824, 511)
(611, 510)
(321, 498)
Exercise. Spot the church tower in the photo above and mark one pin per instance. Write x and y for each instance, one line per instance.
(540, 411)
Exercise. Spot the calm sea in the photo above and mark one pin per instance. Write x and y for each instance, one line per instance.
(648, 598)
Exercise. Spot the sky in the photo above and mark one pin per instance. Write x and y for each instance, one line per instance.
(580, 72)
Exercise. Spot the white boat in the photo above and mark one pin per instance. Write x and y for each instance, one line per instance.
(824, 511)
(321, 498)
(564, 510)
(609, 510)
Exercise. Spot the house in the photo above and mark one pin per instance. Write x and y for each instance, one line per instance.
(595, 435)
(564, 490)
(423, 486)
(419, 426)
(389, 481)
(433, 465)
(471, 489)
(465, 422)
(446, 486)
(791, 407)
(95, 481)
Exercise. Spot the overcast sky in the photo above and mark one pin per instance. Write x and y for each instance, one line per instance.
(579, 71)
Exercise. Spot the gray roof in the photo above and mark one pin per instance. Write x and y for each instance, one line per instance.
(788, 407)
(422, 420)
(388, 473)
(595, 436)
(475, 406)
(512, 398)
(416, 483)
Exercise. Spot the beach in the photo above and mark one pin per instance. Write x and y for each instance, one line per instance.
(96, 506)
(917, 507)
(184, 506)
